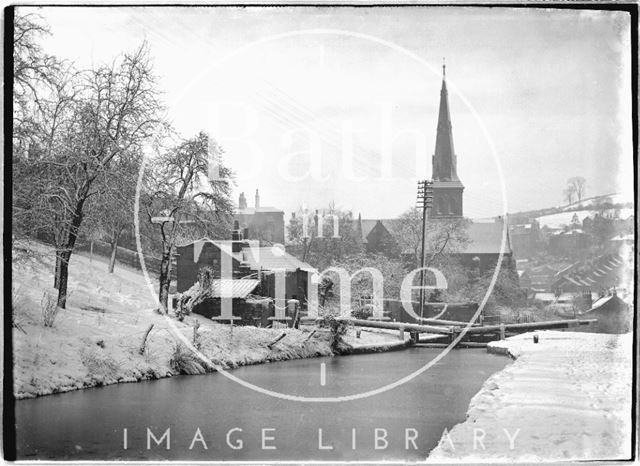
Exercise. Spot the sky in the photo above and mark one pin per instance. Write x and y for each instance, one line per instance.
(328, 105)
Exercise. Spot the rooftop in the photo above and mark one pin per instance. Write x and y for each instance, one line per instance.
(233, 288)
(272, 258)
(254, 210)
(486, 238)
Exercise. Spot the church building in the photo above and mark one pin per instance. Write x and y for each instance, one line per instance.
(447, 187)
(485, 238)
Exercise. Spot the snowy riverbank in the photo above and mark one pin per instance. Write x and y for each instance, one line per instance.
(566, 398)
(96, 340)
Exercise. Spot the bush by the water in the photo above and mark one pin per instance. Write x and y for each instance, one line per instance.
(337, 329)
(185, 362)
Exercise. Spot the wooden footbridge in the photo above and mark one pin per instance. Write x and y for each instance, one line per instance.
(443, 331)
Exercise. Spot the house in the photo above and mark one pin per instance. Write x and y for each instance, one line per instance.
(377, 236)
(253, 280)
(569, 243)
(266, 261)
(525, 239)
(613, 314)
(601, 273)
(484, 246)
(622, 244)
(542, 276)
(524, 279)
(260, 223)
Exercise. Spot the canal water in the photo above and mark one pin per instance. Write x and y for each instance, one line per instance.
(237, 423)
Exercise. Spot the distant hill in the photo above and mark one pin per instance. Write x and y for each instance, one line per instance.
(595, 203)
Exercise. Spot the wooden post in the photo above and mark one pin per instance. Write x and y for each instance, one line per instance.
(502, 331)
(195, 333)
(270, 345)
(401, 333)
(144, 339)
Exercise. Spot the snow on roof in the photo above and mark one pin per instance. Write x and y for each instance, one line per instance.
(626, 212)
(273, 258)
(628, 237)
(233, 288)
(563, 218)
(486, 238)
(253, 210)
(574, 231)
(600, 302)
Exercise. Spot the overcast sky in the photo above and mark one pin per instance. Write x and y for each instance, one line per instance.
(288, 91)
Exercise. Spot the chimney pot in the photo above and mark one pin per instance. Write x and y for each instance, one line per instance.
(242, 202)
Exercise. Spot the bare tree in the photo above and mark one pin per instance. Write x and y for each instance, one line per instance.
(443, 237)
(569, 192)
(111, 210)
(577, 185)
(321, 249)
(33, 70)
(89, 121)
(181, 203)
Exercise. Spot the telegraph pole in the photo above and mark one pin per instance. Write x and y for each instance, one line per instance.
(424, 202)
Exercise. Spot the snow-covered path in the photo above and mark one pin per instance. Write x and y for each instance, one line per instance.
(566, 398)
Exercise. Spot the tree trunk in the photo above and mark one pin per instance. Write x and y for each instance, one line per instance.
(65, 253)
(56, 273)
(114, 252)
(63, 278)
(165, 281)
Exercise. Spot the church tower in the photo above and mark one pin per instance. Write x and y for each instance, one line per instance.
(447, 187)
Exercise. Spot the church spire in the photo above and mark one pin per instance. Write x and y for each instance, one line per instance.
(444, 158)
(447, 188)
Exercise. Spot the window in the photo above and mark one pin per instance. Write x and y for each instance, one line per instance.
(440, 208)
(452, 205)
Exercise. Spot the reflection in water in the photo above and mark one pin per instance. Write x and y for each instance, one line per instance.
(213, 418)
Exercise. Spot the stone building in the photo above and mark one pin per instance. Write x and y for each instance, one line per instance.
(262, 223)
(485, 244)
(483, 249)
(377, 237)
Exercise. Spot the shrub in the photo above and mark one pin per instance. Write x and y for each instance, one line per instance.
(185, 362)
(50, 309)
(337, 329)
(98, 365)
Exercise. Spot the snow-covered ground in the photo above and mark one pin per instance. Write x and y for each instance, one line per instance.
(566, 398)
(96, 339)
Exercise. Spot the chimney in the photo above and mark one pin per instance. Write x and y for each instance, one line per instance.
(236, 234)
(257, 199)
(242, 202)
(587, 300)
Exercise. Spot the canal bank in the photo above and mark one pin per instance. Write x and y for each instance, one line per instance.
(567, 397)
(401, 424)
(60, 360)
(103, 337)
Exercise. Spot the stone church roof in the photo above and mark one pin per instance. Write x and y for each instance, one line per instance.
(444, 157)
(369, 224)
(486, 238)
